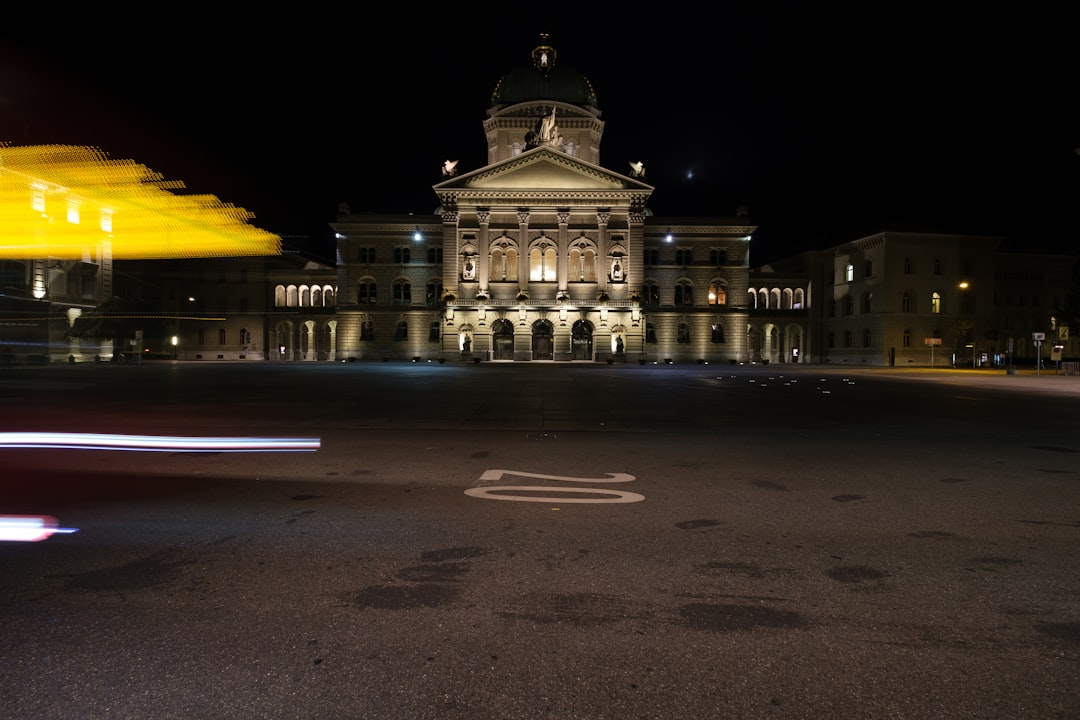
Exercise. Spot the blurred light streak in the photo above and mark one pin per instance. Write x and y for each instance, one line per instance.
(66, 201)
(154, 443)
(29, 528)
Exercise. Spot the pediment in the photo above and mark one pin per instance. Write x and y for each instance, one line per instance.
(542, 168)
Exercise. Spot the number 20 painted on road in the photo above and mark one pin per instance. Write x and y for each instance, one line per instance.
(504, 492)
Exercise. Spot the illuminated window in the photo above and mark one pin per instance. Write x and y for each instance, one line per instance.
(935, 303)
(849, 273)
(717, 294)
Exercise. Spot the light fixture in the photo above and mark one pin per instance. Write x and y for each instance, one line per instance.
(417, 235)
(669, 237)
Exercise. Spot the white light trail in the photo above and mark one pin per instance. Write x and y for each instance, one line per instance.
(154, 443)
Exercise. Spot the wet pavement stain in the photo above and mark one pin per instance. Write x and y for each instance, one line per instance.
(770, 485)
(846, 498)
(406, 597)
(1068, 631)
(855, 573)
(931, 534)
(727, 618)
(696, 524)
(157, 570)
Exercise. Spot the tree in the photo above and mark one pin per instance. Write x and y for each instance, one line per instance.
(118, 319)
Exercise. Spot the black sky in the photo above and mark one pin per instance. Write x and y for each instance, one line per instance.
(827, 124)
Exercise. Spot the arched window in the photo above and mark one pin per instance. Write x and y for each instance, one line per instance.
(684, 294)
(279, 296)
(867, 338)
(582, 262)
(401, 332)
(905, 302)
(907, 338)
(402, 293)
(849, 272)
(542, 262)
(797, 302)
(684, 333)
(503, 262)
(367, 330)
(717, 333)
(652, 293)
(717, 293)
(365, 291)
(935, 303)
(433, 292)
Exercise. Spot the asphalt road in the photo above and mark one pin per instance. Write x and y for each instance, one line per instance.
(545, 541)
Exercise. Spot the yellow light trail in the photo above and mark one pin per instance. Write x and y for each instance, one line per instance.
(63, 201)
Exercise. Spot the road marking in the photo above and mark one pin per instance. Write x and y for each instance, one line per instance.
(506, 492)
(495, 493)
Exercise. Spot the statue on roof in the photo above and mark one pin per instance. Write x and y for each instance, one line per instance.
(449, 169)
(637, 169)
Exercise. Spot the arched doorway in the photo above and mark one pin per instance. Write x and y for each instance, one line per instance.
(543, 340)
(502, 340)
(581, 340)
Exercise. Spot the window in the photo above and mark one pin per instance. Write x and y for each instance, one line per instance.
(967, 303)
(433, 332)
(832, 340)
(937, 267)
(906, 341)
(935, 303)
(402, 293)
(684, 294)
(652, 256)
(848, 339)
(717, 333)
(582, 267)
(401, 332)
(401, 255)
(849, 273)
(905, 302)
(869, 268)
(650, 333)
(433, 292)
(717, 257)
(652, 294)
(434, 255)
(684, 333)
(849, 305)
(717, 294)
(684, 256)
(866, 302)
(221, 336)
(867, 338)
(367, 255)
(907, 266)
(542, 263)
(367, 330)
(365, 292)
(503, 263)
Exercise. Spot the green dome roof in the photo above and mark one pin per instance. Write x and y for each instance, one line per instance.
(544, 81)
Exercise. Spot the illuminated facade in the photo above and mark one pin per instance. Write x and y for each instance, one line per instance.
(545, 255)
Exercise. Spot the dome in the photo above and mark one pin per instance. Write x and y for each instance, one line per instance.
(544, 81)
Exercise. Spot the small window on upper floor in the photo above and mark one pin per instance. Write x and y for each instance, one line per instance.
(652, 256)
(717, 257)
(869, 268)
(849, 273)
(434, 255)
(907, 266)
(401, 255)
(684, 256)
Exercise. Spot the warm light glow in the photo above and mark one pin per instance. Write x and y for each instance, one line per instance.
(45, 189)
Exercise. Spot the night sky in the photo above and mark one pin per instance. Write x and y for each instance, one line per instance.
(828, 125)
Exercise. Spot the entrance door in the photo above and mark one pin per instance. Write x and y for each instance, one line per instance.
(581, 338)
(543, 341)
(502, 340)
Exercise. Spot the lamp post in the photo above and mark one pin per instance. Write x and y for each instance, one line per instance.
(967, 305)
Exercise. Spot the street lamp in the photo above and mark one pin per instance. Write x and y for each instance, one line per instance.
(967, 305)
